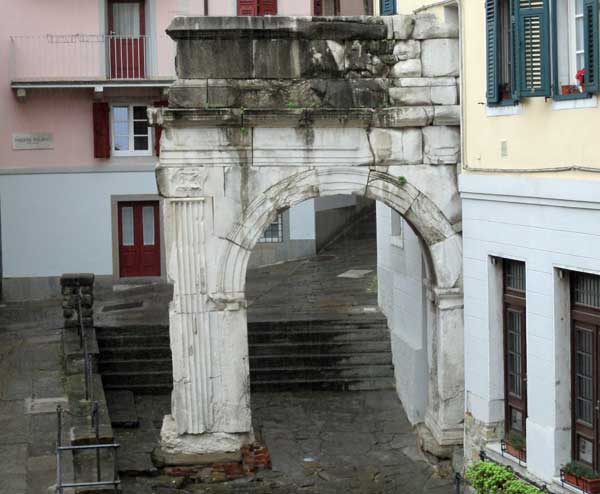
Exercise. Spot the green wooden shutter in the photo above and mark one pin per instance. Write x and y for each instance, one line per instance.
(515, 73)
(590, 12)
(532, 19)
(492, 52)
(388, 7)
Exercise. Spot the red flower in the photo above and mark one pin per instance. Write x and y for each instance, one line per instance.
(580, 76)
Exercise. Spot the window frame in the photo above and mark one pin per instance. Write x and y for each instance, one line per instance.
(264, 239)
(572, 9)
(514, 300)
(587, 318)
(131, 151)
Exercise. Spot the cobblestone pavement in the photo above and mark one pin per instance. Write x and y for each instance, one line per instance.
(30, 374)
(320, 442)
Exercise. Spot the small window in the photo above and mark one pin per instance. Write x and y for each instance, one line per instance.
(274, 232)
(130, 131)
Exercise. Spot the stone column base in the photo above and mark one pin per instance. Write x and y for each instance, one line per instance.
(195, 445)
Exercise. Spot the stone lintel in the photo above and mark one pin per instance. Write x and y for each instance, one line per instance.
(278, 27)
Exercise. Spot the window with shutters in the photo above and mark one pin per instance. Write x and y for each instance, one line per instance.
(130, 133)
(585, 372)
(541, 48)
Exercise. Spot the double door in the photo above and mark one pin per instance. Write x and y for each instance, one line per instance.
(139, 239)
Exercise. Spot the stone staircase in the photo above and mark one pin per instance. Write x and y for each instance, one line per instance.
(135, 358)
(351, 354)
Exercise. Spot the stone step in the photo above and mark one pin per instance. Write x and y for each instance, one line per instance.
(270, 361)
(322, 335)
(135, 353)
(347, 324)
(133, 365)
(139, 377)
(319, 348)
(141, 389)
(122, 409)
(137, 340)
(324, 385)
(321, 373)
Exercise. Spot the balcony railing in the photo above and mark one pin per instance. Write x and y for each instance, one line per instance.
(90, 57)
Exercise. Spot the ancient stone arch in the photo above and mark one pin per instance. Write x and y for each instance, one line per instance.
(266, 113)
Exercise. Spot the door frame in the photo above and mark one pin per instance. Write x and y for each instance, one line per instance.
(114, 206)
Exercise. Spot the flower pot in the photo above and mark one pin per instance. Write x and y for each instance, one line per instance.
(565, 89)
(521, 454)
(589, 486)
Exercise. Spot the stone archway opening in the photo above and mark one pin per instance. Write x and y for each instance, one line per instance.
(266, 114)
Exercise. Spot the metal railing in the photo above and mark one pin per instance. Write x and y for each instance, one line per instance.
(61, 484)
(81, 57)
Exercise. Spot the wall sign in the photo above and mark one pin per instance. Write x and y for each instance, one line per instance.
(41, 140)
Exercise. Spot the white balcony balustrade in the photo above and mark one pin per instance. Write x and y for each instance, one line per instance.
(81, 58)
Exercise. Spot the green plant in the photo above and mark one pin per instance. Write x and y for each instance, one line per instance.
(520, 487)
(291, 105)
(516, 440)
(244, 131)
(401, 181)
(579, 470)
(488, 478)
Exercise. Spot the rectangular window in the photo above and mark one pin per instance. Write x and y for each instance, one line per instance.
(585, 328)
(387, 7)
(515, 348)
(539, 48)
(397, 230)
(274, 232)
(131, 134)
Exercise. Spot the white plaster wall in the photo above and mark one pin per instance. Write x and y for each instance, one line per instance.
(549, 224)
(302, 221)
(53, 223)
(401, 298)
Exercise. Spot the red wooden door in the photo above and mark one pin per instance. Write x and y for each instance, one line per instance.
(127, 40)
(139, 239)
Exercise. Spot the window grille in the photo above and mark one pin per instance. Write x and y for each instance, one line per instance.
(274, 232)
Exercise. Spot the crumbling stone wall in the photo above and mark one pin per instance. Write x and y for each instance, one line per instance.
(268, 112)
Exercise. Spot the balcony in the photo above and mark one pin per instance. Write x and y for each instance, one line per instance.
(91, 60)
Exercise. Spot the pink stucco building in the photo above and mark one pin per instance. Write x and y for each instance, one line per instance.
(77, 158)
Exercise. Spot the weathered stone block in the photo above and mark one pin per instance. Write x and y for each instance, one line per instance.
(440, 57)
(402, 26)
(399, 117)
(429, 26)
(407, 68)
(410, 96)
(214, 58)
(282, 58)
(404, 50)
(446, 115)
(188, 93)
(425, 81)
(444, 95)
(441, 145)
(397, 147)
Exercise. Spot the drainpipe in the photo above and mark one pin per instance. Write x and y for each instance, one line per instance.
(205, 8)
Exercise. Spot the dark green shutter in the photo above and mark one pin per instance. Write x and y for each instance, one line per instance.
(388, 7)
(515, 73)
(532, 19)
(492, 51)
(590, 12)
